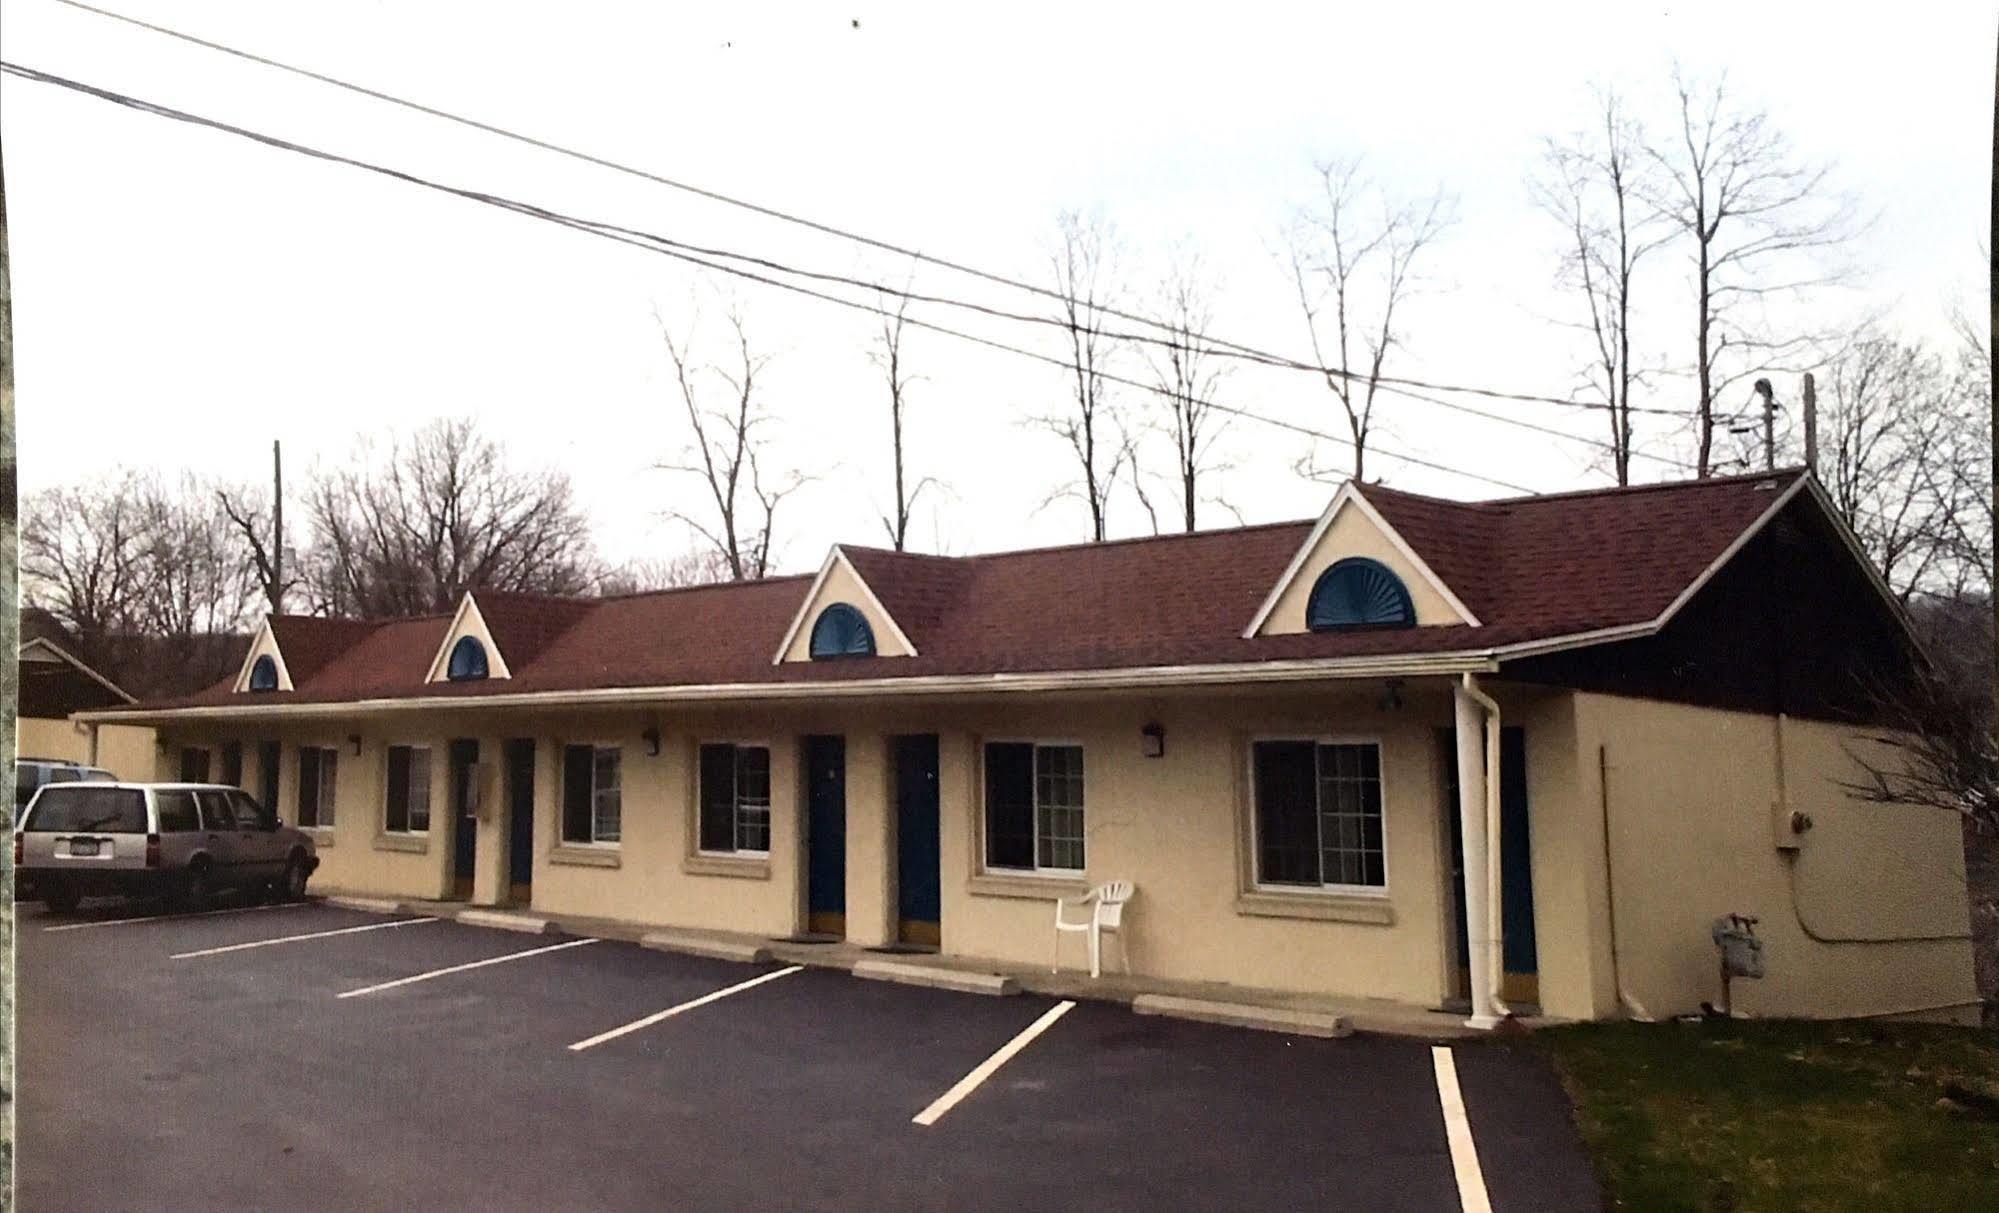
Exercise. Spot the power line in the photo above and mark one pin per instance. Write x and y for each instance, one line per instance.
(647, 242)
(1228, 348)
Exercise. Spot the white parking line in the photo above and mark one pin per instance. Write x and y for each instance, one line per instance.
(689, 1005)
(477, 964)
(987, 1068)
(272, 942)
(1457, 1129)
(119, 922)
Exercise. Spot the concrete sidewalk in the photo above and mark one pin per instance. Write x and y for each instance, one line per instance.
(1241, 1006)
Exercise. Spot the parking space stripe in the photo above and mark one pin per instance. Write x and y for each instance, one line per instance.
(987, 1068)
(1457, 1129)
(689, 1005)
(273, 942)
(477, 964)
(119, 922)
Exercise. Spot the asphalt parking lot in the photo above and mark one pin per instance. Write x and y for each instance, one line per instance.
(430, 1064)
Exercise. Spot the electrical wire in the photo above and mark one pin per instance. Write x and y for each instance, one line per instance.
(641, 240)
(1216, 345)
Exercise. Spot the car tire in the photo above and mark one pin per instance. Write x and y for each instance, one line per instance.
(60, 898)
(291, 886)
(194, 889)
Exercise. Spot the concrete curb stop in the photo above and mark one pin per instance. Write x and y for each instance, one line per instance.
(700, 945)
(506, 922)
(1241, 1015)
(372, 905)
(963, 981)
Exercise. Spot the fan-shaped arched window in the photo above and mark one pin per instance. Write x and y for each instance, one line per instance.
(841, 631)
(264, 674)
(1359, 593)
(468, 660)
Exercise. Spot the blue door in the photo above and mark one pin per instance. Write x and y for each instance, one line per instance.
(464, 828)
(1520, 965)
(520, 821)
(826, 835)
(916, 850)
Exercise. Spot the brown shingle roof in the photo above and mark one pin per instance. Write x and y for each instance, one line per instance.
(1530, 568)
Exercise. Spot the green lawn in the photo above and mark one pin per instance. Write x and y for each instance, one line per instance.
(1785, 1115)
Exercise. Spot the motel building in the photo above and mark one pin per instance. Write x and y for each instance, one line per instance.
(1514, 755)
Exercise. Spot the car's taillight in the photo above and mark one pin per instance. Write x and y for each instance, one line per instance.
(152, 850)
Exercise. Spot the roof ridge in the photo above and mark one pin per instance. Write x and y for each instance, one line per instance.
(625, 595)
(1133, 540)
(1780, 475)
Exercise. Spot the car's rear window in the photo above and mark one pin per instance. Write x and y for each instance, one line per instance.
(88, 808)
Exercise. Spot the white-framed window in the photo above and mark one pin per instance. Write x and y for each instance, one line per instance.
(1317, 815)
(1034, 806)
(318, 775)
(592, 799)
(734, 798)
(406, 799)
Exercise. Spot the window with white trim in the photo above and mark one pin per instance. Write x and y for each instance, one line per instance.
(1318, 814)
(734, 799)
(1034, 806)
(592, 796)
(318, 773)
(406, 803)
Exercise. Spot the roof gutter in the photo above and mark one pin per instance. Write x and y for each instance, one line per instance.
(1258, 672)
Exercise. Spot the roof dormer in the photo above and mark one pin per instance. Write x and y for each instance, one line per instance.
(841, 618)
(264, 666)
(1355, 571)
(468, 652)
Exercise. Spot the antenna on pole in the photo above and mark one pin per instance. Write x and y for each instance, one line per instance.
(1811, 425)
(1769, 395)
(277, 528)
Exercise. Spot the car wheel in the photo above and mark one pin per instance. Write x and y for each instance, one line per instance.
(194, 889)
(292, 887)
(60, 898)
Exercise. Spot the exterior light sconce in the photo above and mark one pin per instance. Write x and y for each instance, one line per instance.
(354, 739)
(651, 737)
(1152, 740)
(1391, 696)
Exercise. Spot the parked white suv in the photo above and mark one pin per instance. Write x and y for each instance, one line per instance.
(181, 841)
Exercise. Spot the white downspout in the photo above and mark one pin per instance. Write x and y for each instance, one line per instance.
(1495, 927)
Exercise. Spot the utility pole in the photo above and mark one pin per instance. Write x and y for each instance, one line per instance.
(1993, 288)
(277, 528)
(1811, 425)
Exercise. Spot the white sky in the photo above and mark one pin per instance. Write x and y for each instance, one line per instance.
(182, 297)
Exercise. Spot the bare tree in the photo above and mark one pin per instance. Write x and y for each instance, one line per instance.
(727, 454)
(1936, 747)
(1083, 271)
(1187, 373)
(887, 355)
(195, 579)
(1354, 251)
(1888, 437)
(248, 511)
(442, 513)
(1757, 222)
(1592, 184)
(83, 553)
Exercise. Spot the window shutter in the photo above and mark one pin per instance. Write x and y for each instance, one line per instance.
(1009, 804)
(398, 816)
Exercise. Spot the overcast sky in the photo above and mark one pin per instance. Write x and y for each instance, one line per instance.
(182, 297)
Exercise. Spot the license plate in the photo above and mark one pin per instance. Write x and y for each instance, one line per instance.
(82, 848)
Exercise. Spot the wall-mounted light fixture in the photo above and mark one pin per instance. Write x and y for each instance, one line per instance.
(1391, 695)
(354, 739)
(1153, 740)
(651, 736)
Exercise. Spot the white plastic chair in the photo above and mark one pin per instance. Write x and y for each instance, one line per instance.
(1106, 905)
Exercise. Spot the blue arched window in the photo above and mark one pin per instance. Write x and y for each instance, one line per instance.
(841, 631)
(1359, 593)
(468, 660)
(264, 674)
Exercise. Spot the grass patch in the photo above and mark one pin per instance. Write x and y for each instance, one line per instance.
(1786, 1115)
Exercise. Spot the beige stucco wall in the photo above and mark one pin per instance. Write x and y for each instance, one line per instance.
(1870, 916)
(124, 750)
(841, 585)
(1353, 533)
